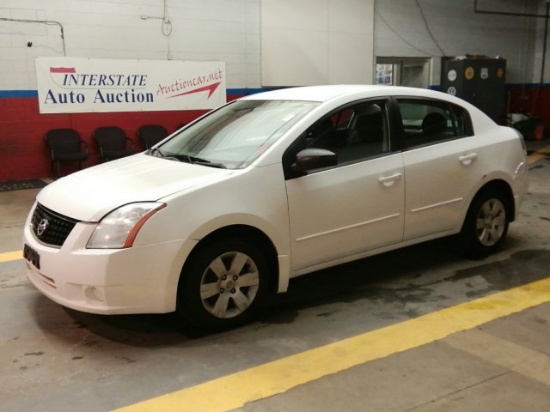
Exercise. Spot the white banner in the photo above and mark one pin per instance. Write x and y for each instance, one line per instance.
(79, 85)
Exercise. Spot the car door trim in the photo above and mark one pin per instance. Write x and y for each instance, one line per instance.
(448, 202)
(341, 229)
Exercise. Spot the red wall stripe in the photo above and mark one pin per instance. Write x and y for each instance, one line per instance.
(24, 155)
(23, 151)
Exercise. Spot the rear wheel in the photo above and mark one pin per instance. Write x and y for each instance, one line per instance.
(223, 284)
(486, 224)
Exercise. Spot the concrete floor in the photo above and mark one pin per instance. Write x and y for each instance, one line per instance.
(56, 359)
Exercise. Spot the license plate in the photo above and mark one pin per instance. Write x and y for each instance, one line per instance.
(31, 255)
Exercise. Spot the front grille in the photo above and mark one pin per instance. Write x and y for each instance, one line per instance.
(49, 227)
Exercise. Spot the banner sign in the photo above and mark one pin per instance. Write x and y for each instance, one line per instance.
(79, 85)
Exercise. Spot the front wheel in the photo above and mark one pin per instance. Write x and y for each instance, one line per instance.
(486, 224)
(223, 284)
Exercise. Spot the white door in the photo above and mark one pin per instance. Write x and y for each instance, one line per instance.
(355, 206)
(442, 165)
(346, 210)
(439, 180)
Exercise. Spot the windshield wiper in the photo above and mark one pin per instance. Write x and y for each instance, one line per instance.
(157, 152)
(185, 158)
(199, 161)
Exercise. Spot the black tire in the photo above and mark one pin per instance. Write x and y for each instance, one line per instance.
(486, 224)
(223, 284)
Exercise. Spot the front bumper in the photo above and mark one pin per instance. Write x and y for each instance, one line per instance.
(141, 279)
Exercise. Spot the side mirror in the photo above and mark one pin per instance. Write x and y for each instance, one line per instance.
(309, 159)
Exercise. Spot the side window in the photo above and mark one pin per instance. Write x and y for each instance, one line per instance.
(353, 133)
(429, 122)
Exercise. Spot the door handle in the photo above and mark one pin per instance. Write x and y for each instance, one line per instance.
(467, 159)
(389, 180)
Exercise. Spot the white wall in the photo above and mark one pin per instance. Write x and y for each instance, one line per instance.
(308, 42)
(201, 30)
(231, 30)
(400, 31)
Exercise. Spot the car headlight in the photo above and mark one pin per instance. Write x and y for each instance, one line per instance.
(118, 229)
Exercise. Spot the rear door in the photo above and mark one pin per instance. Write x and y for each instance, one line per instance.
(442, 165)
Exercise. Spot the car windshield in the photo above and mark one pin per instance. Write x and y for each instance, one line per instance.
(235, 135)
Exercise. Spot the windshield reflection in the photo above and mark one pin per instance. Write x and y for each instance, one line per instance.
(236, 134)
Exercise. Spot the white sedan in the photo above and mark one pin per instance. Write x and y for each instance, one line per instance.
(270, 187)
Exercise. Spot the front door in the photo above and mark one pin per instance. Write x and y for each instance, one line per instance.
(355, 206)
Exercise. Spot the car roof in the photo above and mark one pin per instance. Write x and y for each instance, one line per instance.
(329, 92)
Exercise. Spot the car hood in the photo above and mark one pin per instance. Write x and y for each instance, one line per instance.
(90, 194)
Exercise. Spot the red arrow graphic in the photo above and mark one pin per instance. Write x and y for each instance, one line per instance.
(211, 89)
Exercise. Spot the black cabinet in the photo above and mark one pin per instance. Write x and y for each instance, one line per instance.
(480, 81)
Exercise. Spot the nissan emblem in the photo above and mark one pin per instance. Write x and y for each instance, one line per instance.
(42, 226)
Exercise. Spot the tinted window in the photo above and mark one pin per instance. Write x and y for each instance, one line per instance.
(353, 133)
(428, 122)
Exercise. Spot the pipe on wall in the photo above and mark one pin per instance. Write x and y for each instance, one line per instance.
(545, 41)
(504, 13)
(47, 22)
(545, 16)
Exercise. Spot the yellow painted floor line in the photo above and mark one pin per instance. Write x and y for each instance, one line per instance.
(235, 390)
(9, 256)
(539, 154)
